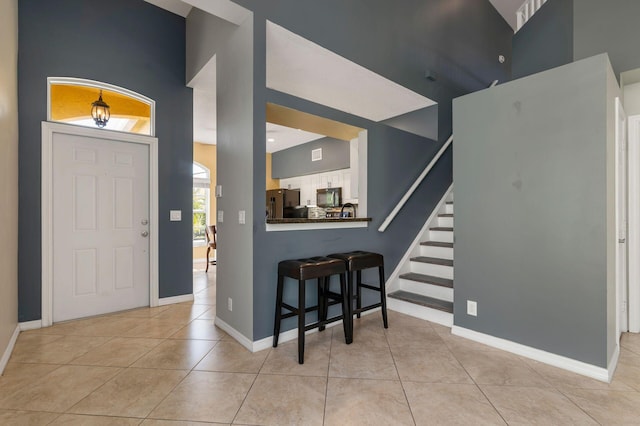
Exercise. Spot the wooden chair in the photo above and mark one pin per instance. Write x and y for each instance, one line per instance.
(210, 234)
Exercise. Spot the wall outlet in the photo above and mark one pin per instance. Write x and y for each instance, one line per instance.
(242, 217)
(230, 304)
(220, 216)
(472, 308)
(175, 215)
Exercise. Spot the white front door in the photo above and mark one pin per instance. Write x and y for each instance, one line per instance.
(100, 225)
(621, 219)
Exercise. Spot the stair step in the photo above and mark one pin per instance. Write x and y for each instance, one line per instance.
(444, 222)
(436, 244)
(426, 301)
(441, 228)
(437, 249)
(434, 260)
(428, 279)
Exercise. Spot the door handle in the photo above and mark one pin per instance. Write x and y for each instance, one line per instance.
(144, 222)
(145, 233)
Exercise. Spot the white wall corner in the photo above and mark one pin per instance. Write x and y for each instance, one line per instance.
(241, 338)
(613, 363)
(569, 364)
(7, 353)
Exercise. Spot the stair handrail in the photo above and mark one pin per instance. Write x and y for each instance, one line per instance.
(418, 181)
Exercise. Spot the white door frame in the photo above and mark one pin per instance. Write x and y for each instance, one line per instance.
(634, 222)
(621, 208)
(48, 130)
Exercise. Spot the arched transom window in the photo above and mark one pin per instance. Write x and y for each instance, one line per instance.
(71, 99)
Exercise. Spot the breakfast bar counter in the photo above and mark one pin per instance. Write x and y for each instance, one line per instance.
(300, 224)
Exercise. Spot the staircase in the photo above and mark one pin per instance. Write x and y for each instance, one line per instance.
(422, 285)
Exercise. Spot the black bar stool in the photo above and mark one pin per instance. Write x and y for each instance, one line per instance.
(321, 268)
(356, 261)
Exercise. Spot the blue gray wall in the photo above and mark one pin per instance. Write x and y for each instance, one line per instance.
(566, 30)
(131, 44)
(546, 41)
(296, 161)
(533, 214)
(205, 35)
(608, 27)
(459, 40)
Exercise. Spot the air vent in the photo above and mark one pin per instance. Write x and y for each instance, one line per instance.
(316, 154)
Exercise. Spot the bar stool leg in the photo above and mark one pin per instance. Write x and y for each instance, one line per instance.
(276, 325)
(383, 296)
(322, 301)
(359, 291)
(347, 316)
(301, 320)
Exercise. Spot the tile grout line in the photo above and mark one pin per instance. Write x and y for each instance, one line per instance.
(475, 383)
(326, 386)
(404, 391)
(165, 339)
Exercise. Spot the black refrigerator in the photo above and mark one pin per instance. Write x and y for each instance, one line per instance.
(279, 199)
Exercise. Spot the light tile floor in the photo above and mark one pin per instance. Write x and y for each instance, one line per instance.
(171, 366)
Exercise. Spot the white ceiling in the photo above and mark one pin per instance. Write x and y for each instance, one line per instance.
(304, 69)
(174, 6)
(281, 137)
(307, 70)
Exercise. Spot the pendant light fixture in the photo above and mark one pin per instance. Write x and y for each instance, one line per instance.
(100, 112)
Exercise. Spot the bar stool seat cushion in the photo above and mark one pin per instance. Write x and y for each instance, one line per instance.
(309, 268)
(358, 260)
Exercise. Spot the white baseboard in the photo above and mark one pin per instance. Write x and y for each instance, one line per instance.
(285, 336)
(292, 334)
(267, 342)
(569, 364)
(175, 299)
(241, 338)
(7, 352)
(30, 325)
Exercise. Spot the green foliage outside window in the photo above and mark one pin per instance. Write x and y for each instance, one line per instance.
(200, 199)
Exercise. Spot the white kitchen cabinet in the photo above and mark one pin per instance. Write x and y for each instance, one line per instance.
(309, 184)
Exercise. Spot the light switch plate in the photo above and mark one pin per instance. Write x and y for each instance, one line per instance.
(220, 216)
(242, 217)
(175, 215)
(472, 308)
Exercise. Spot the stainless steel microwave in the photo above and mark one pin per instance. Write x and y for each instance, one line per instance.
(329, 197)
